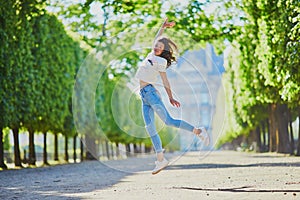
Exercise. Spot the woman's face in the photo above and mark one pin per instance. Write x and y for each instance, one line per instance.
(158, 48)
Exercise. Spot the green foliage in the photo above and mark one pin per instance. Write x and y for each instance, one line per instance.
(83, 100)
(16, 60)
(7, 39)
(38, 64)
(55, 50)
(261, 68)
(127, 114)
(278, 47)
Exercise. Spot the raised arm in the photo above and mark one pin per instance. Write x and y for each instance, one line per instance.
(162, 28)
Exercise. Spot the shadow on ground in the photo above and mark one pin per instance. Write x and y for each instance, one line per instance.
(57, 182)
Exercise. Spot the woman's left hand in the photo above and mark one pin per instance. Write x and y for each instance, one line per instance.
(174, 103)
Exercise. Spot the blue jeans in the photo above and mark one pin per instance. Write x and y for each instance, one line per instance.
(151, 102)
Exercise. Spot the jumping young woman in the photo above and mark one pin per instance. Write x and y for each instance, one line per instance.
(155, 65)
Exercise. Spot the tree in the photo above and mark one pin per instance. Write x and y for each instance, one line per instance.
(275, 49)
(263, 71)
(7, 30)
(18, 61)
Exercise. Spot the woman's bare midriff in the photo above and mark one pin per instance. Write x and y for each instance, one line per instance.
(143, 84)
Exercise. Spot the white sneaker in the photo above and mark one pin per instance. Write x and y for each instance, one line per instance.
(204, 136)
(160, 166)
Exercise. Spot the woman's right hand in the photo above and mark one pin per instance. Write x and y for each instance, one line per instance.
(168, 24)
(161, 30)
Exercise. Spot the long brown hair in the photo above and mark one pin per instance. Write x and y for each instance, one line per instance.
(169, 48)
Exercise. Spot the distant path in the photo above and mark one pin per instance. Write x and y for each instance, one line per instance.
(219, 175)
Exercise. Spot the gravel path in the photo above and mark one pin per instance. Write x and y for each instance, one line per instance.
(218, 175)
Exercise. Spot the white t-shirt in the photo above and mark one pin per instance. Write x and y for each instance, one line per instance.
(150, 68)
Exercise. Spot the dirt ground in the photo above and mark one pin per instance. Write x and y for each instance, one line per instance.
(212, 175)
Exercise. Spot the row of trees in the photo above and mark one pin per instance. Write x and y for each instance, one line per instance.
(38, 65)
(263, 75)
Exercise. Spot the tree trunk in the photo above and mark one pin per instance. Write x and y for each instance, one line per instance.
(258, 139)
(45, 154)
(32, 156)
(74, 148)
(112, 150)
(56, 147)
(17, 147)
(292, 136)
(273, 129)
(148, 149)
(107, 149)
(127, 146)
(90, 148)
(81, 149)
(2, 164)
(66, 149)
(102, 146)
(264, 142)
(269, 134)
(283, 145)
(298, 146)
(117, 150)
(135, 148)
